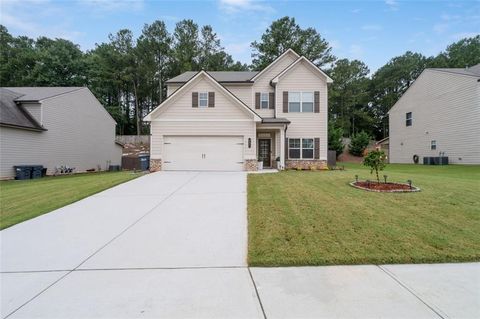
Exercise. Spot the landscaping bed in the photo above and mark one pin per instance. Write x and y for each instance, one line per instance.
(384, 187)
(315, 218)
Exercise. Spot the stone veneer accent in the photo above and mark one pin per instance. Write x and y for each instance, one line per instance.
(155, 165)
(251, 165)
(306, 164)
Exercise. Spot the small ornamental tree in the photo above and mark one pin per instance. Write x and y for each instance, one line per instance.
(376, 160)
(359, 143)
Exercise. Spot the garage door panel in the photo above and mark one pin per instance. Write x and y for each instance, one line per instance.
(203, 153)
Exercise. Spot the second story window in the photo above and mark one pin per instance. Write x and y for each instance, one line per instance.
(203, 99)
(264, 100)
(408, 119)
(433, 145)
(300, 101)
(294, 100)
(307, 102)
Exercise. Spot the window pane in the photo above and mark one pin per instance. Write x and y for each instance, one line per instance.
(307, 153)
(307, 143)
(307, 97)
(294, 107)
(203, 99)
(294, 143)
(307, 107)
(294, 153)
(293, 96)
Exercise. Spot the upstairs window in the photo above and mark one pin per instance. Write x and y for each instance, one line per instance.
(264, 100)
(408, 119)
(294, 100)
(203, 99)
(433, 145)
(300, 101)
(307, 102)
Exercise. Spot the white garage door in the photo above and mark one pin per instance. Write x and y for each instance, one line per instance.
(203, 153)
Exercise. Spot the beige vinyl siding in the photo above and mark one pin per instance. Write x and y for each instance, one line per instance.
(171, 88)
(178, 118)
(308, 125)
(446, 108)
(181, 106)
(243, 92)
(80, 134)
(262, 83)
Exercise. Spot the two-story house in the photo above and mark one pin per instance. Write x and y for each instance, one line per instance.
(439, 115)
(232, 120)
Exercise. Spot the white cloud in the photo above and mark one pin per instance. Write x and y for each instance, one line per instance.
(372, 27)
(236, 6)
(392, 4)
(238, 48)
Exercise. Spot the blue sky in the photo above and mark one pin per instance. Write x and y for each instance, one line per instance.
(372, 31)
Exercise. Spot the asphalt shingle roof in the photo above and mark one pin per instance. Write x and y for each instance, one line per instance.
(219, 76)
(12, 114)
(472, 71)
(40, 93)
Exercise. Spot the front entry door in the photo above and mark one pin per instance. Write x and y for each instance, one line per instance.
(264, 148)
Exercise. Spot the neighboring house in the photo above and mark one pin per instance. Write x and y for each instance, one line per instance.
(438, 115)
(55, 126)
(228, 120)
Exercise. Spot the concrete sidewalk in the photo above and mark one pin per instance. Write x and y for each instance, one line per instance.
(174, 244)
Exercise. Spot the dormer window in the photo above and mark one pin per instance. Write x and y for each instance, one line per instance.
(408, 119)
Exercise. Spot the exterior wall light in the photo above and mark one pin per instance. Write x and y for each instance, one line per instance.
(249, 142)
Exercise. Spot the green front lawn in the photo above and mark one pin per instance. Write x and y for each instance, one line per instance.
(316, 218)
(22, 200)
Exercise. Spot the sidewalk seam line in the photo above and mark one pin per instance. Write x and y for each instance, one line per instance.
(38, 294)
(257, 293)
(410, 290)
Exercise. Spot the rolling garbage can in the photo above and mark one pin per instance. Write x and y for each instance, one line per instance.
(144, 162)
(22, 172)
(36, 171)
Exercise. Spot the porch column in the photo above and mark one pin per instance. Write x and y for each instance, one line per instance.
(282, 148)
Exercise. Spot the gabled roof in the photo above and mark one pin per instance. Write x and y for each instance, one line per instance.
(14, 115)
(274, 62)
(219, 76)
(35, 94)
(471, 71)
(256, 117)
(309, 63)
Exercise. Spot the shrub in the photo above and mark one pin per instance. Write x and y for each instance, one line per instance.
(359, 143)
(376, 161)
(335, 143)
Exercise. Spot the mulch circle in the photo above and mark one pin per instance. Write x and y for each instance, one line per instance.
(384, 187)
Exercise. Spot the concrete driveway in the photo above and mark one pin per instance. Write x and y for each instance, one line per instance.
(174, 244)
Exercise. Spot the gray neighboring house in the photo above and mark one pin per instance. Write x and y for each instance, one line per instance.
(438, 114)
(54, 126)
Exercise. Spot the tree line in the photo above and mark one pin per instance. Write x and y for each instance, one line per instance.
(128, 75)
